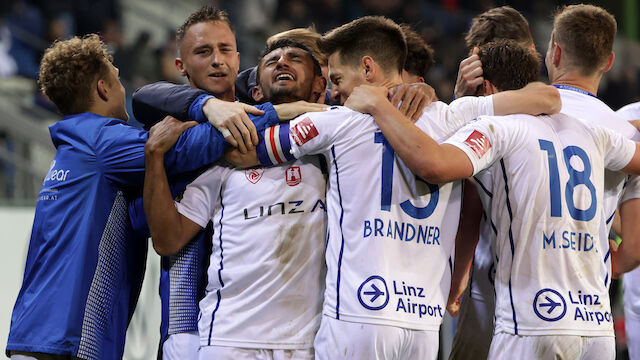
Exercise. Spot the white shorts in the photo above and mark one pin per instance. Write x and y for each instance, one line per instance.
(234, 353)
(474, 330)
(632, 329)
(507, 346)
(339, 339)
(183, 346)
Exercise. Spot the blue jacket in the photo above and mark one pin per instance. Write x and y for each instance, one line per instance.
(85, 263)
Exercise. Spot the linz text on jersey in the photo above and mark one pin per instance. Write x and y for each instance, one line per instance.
(282, 208)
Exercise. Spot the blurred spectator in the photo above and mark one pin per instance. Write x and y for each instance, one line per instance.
(8, 66)
(167, 59)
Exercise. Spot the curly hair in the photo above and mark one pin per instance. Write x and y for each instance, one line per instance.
(70, 68)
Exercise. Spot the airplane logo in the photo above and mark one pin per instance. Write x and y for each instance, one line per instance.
(373, 293)
(549, 305)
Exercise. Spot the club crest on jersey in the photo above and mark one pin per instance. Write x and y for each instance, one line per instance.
(254, 175)
(303, 131)
(293, 176)
(478, 143)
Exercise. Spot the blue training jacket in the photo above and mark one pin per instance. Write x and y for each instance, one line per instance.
(85, 262)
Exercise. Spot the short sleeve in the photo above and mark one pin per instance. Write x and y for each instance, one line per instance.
(308, 134)
(618, 150)
(478, 140)
(464, 110)
(201, 198)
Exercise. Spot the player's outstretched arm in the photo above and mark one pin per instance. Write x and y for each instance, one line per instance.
(170, 231)
(424, 156)
(533, 99)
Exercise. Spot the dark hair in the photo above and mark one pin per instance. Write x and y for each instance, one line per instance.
(586, 33)
(307, 36)
(283, 43)
(205, 14)
(419, 53)
(70, 68)
(374, 36)
(498, 23)
(509, 65)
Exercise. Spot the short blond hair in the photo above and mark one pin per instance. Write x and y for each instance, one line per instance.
(70, 68)
(306, 36)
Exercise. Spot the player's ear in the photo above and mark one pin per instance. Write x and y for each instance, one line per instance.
(557, 54)
(319, 87)
(180, 66)
(610, 61)
(256, 94)
(368, 64)
(101, 88)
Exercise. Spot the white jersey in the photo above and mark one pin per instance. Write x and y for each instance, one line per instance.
(631, 280)
(582, 105)
(265, 274)
(391, 235)
(552, 272)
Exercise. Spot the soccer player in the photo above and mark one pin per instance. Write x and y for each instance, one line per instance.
(390, 235)
(264, 295)
(85, 261)
(474, 328)
(631, 280)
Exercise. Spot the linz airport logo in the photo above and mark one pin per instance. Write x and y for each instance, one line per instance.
(478, 143)
(293, 176)
(303, 131)
(254, 175)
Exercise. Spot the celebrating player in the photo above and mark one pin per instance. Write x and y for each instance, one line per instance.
(390, 234)
(265, 276)
(474, 329)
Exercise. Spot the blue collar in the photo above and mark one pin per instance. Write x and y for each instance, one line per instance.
(573, 88)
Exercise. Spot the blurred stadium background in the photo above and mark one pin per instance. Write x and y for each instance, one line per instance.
(140, 34)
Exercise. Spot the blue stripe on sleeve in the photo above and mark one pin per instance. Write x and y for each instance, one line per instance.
(285, 142)
(261, 150)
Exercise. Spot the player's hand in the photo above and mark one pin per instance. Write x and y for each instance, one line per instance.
(547, 98)
(469, 75)
(242, 160)
(289, 111)
(415, 97)
(232, 121)
(453, 306)
(365, 98)
(164, 135)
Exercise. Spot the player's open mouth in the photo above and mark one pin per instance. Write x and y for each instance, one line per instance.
(284, 77)
(217, 75)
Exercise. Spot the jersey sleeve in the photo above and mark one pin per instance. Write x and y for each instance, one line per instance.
(464, 110)
(479, 140)
(201, 197)
(151, 103)
(618, 150)
(310, 133)
(120, 148)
